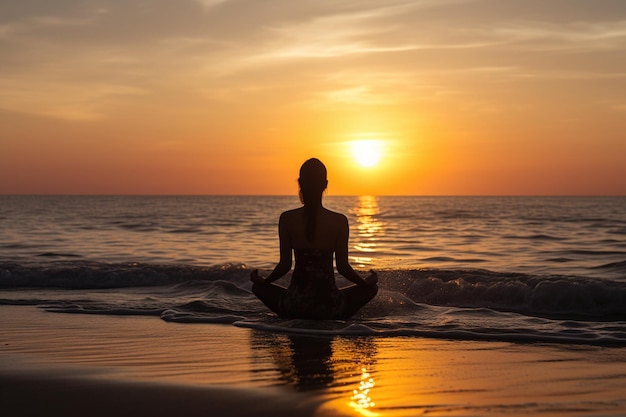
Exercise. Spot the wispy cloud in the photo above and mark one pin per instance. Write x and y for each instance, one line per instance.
(371, 52)
(210, 3)
(619, 107)
(568, 37)
(81, 101)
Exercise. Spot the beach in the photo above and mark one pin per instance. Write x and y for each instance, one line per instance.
(77, 364)
(133, 306)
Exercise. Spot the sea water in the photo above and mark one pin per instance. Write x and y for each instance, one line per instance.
(549, 269)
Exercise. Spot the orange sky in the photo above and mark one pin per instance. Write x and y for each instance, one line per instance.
(231, 96)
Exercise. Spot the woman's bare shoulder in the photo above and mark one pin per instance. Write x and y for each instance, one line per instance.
(336, 217)
(293, 211)
(291, 214)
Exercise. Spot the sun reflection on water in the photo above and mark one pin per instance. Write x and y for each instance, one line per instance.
(360, 399)
(369, 229)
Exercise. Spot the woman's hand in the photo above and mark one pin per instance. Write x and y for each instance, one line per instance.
(256, 278)
(372, 279)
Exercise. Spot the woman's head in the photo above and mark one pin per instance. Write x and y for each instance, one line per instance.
(312, 180)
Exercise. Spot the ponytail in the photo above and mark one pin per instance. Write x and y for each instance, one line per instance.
(312, 185)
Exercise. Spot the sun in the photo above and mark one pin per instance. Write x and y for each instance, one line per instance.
(366, 152)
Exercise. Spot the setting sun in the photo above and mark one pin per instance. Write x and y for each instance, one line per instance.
(367, 153)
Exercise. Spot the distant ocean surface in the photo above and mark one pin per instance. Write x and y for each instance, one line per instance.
(546, 269)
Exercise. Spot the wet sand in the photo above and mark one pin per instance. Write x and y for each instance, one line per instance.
(69, 364)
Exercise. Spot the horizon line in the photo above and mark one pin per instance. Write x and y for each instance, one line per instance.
(290, 195)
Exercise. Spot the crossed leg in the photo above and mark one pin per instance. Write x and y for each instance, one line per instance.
(356, 296)
(270, 295)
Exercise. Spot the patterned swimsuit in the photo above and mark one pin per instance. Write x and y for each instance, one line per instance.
(312, 292)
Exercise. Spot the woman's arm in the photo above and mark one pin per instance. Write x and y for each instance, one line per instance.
(284, 264)
(341, 257)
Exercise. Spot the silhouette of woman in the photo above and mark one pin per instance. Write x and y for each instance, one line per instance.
(314, 234)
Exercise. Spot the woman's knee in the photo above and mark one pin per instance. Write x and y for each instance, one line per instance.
(256, 289)
(372, 290)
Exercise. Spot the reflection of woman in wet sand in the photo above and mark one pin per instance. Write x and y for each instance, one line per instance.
(314, 234)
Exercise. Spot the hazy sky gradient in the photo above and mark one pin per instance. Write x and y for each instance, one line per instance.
(230, 97)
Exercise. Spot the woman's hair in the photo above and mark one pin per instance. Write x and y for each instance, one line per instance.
(312, 182)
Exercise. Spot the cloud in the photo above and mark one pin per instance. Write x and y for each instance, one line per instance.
(568, 37)
(211, 3)
(619, 107)
(75, 59)
(80, 101)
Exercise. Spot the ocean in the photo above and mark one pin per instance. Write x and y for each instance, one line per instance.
(512, 269)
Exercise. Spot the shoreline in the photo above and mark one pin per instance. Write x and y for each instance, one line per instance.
(72, 364)
(43, 394)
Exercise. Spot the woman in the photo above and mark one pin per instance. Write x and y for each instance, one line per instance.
(314, 234)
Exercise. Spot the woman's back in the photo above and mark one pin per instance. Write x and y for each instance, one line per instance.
(329, 227)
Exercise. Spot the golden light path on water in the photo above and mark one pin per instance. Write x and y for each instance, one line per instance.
(361, 400)
(369, 230)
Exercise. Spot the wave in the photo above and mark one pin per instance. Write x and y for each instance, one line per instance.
(537, 295)
(453, 304)
(540, 236)
(588, 336)
(614, 266)
(93, 275)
